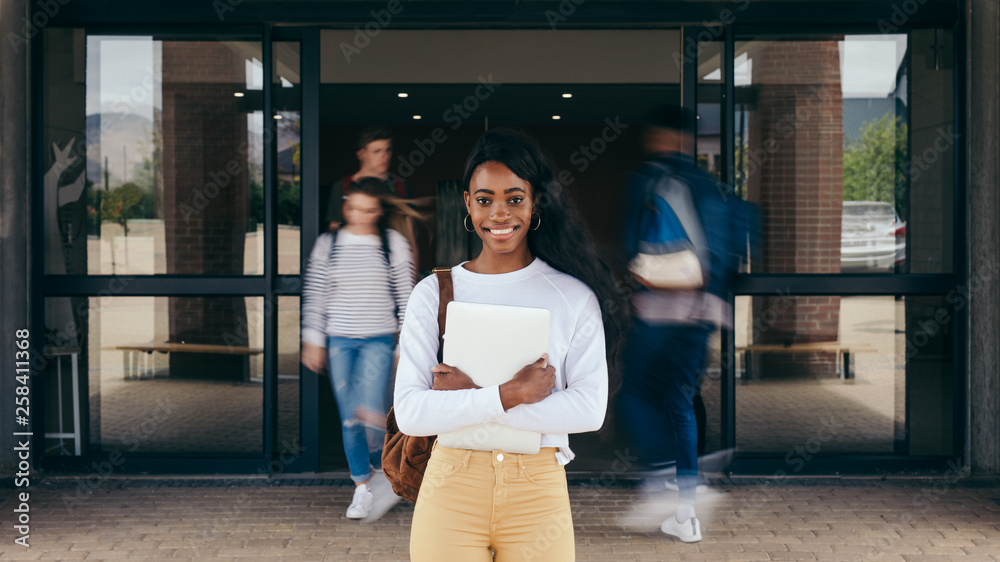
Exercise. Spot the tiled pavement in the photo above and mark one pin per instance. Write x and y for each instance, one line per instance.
(248, 519)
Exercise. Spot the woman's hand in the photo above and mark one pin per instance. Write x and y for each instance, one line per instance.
(531, 384)
(314, 357)
(447, 377)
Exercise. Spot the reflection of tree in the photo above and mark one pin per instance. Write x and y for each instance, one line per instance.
(93, 204)
(289, 199)
(740, 173)
(286, 210)
(149, 175)
(288, 203)
(289, 190)
(142, 197)
(126, 202)
(875, 165)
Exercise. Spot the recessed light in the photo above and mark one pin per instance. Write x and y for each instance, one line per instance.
(238, 94)
(567, 96)
(557, 116)
(403, 94)
(277, 117)
(417, 117)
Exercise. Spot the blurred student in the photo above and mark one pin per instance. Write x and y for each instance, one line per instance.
(374, 152)
(357, 283)
(675, 211)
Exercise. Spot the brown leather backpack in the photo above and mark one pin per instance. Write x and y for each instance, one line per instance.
(404, 457)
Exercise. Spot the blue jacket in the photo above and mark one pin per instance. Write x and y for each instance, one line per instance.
(728, 221)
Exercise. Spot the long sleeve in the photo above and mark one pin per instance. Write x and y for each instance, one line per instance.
(583, 404)
(401, 271)
(420, 410)
(314, 291)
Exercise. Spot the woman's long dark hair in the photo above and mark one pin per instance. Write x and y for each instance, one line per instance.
(561, 240)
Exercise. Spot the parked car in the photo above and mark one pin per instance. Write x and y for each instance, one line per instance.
(872, 237)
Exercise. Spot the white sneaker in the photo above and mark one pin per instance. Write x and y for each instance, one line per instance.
(384, 497)
(361, 505)
(688, 531)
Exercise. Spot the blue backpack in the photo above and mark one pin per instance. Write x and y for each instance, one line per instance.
(692, 239)
(673, 249)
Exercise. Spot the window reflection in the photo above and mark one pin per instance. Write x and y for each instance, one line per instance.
(153, 149)
(287, 93)
(289, 406)
(827, 144)
(869, 374)
(162, 374)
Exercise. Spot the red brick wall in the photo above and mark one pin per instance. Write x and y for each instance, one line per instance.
(798, 180)
(205, 184)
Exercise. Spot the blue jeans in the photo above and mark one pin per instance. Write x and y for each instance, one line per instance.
(663, 365)
(360, 369)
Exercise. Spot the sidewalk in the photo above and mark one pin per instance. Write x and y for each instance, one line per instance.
(249, 519)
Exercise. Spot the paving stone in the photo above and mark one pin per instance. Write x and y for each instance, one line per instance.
(198, 519)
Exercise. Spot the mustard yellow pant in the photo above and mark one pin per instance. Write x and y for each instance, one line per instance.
(473, 504)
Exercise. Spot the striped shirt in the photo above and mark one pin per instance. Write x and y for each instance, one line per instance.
(357, 295)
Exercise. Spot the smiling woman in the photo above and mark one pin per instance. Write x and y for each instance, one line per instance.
(536, 253)
(500, 210)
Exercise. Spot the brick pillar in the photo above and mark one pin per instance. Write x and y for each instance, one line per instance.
(205, 196)
(799, 184)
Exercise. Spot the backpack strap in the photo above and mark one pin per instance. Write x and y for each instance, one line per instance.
(447, 287)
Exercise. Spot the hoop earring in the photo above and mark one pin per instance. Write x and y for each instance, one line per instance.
(539, 221)
(467, 229)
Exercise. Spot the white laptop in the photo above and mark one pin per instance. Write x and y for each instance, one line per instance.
(491, 343)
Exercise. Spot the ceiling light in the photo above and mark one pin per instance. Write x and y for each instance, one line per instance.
(567, 96)
(416, 117)
(238, 94)
(277, 117)
(557, 117)
(403, 94)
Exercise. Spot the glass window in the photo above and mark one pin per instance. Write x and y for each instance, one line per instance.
(287, 91)
(289, 405)
(157, 375)
(710, 95)
(844, 142)
(153, 151)
(839, 374)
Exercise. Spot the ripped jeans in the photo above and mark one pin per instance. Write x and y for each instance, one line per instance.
(360, 369)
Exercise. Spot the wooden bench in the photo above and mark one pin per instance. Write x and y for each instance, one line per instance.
(134, 353)
(845, 353)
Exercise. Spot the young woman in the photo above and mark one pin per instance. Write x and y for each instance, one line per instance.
(357, 284)
(536, 252)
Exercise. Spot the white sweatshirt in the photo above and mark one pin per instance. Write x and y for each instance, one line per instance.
(576, 350)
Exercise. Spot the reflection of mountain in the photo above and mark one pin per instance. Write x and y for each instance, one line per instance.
(111, 132)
